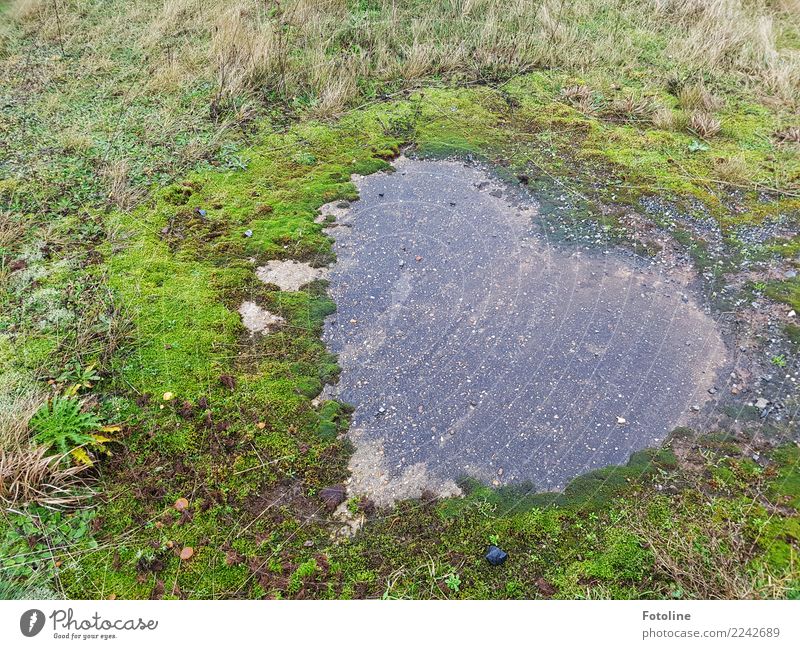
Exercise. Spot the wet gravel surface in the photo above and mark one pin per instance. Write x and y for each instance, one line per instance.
(472, 345)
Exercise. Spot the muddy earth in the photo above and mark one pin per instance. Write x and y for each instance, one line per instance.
(472, 345)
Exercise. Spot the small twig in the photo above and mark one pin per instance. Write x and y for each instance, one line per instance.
(263, 464)
(58, 24)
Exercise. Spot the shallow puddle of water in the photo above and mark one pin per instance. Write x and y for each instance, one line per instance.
(470, 345)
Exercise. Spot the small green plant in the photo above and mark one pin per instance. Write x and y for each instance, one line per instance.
(695, 146)
(64, 428)
(779, 360)
(27, 543)
(76, 378)
(305, 158)
(484, 506)
(494, 539)
(453, 582)
(760, 287)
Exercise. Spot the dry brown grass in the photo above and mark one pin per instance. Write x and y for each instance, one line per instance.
(707, 560)
(12, 227)
(789, 135)
(704, 124)
(27, 473)
(120, 192)
(319, 50)
(246, 52)
(635, 108)
(14, 417)
(738, 36)
(578, 94)
(668, 120)
(335, 91)
(27, 10)
(582, 98)
(74, 142)
(732, 170)
(698, 97)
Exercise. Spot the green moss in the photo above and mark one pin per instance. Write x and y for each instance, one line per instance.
(180, 269)
(785, 486)
(621, 557)
(787, 291)
(597, 487)
(780, 539)
(792, 332)
(333, 419)
(305, 570)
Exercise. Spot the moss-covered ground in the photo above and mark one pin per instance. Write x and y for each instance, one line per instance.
(226, 420)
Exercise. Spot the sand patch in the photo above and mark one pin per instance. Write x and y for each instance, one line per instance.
(289, 275)
(371, 476)
(257, 319)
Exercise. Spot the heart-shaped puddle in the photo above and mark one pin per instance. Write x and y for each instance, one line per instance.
(470, 345)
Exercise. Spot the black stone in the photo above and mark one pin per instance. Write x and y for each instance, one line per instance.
(496, 556)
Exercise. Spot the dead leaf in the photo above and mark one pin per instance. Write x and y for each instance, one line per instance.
(158, 590)
(233, 558)
(187, 553)
(186, 410)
